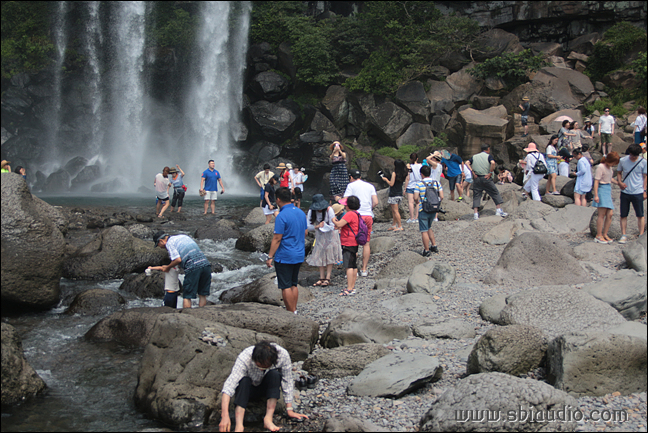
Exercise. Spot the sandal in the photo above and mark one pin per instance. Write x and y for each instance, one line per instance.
(600, 241)
(325, 282)
(392, 228)
(344, 293)
(398, 229)
(319, 283)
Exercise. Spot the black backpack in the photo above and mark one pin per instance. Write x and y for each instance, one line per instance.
(432, 202)
(539, 167)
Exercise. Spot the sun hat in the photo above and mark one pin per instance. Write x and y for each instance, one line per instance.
(532, 148)
(5, 162)
(526, 98)
(159, 235)
(319, 202)
(587, 119)
(355, 173)
(342, 201)
(437, 155)
(282, 166)
(172, 171)
(289, 166)
(337, 208)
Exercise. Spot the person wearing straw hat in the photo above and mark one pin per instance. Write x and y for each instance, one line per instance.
(6, 168)
(327, 249)
(525, 107)
(533, 156)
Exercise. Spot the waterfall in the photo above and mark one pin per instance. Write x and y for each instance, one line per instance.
(93, 40)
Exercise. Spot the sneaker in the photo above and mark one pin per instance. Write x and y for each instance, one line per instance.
(408, 221)
(434, 249)
(436, 220)
(364, 273)
(426, 253)
(476, 216)
(623, 239)
(555, 193)
(600, 241)
(415, 221)
(524, 135)
(501, 213)
(524, 196)
(459, 199)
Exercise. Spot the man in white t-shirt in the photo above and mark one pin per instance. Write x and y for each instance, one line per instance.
(297, 186)
(368, 200)
(606, 131)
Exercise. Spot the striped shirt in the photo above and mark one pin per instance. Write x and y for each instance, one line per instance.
(420, 188)
(183, 247)
(245, 367)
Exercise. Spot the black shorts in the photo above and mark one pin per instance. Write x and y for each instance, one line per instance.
(637, 204)
(297, 195)
(287, 275)
(350, 257)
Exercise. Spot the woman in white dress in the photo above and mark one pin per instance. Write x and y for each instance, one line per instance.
(327, 250)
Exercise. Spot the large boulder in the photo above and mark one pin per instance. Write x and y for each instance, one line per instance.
(431, 277)
(258, 239)
(412, 97)
(514, 349)
(299, 333)
(534, 257)
(440, 97)
(598, 363)
(395, 375)
(144, 286)
(501, 395)
(463, 84)
(579, 84)
(546, 96)
(335, 105)
(95, 301)
(455, 209)
(345, 423)
(503, 232)
(491, 309)
(402, 265)
(635, 254)
(494, 42)
(32, 247)
(412, 305)
(353, 327)
(559, 310)
(113, 253)
(255, 217)
(624, 290)
(130, 327)
(274, 121)
(344, 361)
(389, 121)
(450, 328)
(264, 291)
(531, 210)
(570, 219)
(270, 86)
(219, 231)
(178, 383)
(19, 380)
(481, 126)
(549, 126)
(382, 244)
(418, 134)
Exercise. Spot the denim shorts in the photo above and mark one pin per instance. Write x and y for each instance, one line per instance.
(425, 220)
(409, 190)
(580, 192)
(453, 181)
(287, 275)
(197, 281)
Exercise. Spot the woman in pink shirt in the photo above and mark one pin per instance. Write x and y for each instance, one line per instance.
(602, 190)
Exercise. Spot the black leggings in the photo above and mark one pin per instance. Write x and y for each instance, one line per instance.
(178, 196)
(268, 388)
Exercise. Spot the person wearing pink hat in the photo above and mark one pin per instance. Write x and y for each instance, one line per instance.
(533, 156)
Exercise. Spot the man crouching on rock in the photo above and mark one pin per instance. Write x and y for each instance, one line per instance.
(259, 372)
(197, 269)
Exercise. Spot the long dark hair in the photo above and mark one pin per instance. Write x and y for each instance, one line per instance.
(400, 169)
(314, 215)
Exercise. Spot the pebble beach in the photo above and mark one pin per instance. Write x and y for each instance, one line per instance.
(460, 245)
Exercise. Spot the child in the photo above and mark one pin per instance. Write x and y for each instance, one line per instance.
(171, 285)
(349, 225)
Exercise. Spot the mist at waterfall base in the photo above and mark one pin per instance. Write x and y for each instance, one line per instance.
(134, 107)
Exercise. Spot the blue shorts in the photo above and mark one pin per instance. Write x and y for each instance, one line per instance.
(453, 181)
(197, 281)
(580, 192)
(287, 274)
(637, 204)
(409, 190)
(425, 220)
(469, 180)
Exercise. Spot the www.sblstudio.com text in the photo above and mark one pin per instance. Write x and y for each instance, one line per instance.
(530, 414)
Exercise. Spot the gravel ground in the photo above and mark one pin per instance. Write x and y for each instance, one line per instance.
(460, 245)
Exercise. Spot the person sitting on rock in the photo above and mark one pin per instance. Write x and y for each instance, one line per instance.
(260, 371)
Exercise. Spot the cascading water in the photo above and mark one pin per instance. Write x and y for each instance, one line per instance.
(113, 113)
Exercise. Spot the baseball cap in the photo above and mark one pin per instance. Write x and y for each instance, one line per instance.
(355, 173)
(159, 235)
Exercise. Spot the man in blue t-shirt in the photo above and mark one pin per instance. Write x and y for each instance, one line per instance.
(631, 175)
(185, 252)
(288, 247)
(454, 173)
(209, 185)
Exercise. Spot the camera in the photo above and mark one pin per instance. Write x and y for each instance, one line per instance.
(381, 173)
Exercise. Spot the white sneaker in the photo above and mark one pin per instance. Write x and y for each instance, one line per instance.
(501, 213)
(476, 216)
(436, 220)
(364, 273)
(408, 221)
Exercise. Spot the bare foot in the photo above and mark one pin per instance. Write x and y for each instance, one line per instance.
(270, 425)
(239, 428)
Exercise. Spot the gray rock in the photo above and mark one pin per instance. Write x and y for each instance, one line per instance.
(532, 257)
(219, 231)
(634, 329)
(579, 83)
(431, 277)
(452, 328)
(270, 86)
(531, 210)
(130, 327)
(598, 363)
(113, 253)
(485, 124)
(144, 286)
(19, 380)
(625, 291)
(395, 375)
(389, 283)
(635, 254)
(615, 227)
(389, 121)
(463, 84)
(498, 394)
(382, 211)
(95, 301)
(255, 217)
(177, 382)
(455, 210)
(141, 231)
(353, 327)
(345, 423)
(382, 244)
(335, 105)
(557, 201)
(274, 121)
(514, 349)
(257, 239)
(559, 310)
(506, 230)
(264, 291)
(343, 361)
(570, 219)
(32, 247)
(412, 305)
(491, 308)
(402, 265)
(418, 134)
(412, 96)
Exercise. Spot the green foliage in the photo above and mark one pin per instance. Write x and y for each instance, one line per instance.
(268, 21)
(174, 27)
(512, 68)
(616, 107)
(639, 66)
(312, 52)
(26, 45)
(402, 153)
(609, 53)
(380, 74)
(440, 140)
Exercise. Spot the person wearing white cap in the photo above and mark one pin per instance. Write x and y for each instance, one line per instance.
(533, 156)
